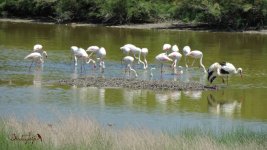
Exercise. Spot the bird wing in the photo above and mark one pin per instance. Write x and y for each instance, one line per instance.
(92, 49)
(228, 68)
(33, 55)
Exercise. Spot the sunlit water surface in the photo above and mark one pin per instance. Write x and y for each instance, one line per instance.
(36, 93)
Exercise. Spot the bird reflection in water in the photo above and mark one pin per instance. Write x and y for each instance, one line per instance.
(37, 76)
(195, 95)
(74, 74)
(222, 106)
(163, 97)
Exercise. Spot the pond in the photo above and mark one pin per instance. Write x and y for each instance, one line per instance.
(36, 93)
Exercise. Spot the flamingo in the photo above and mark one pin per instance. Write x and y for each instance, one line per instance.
(92, 49)
(196, 54)
(133, 49)
(126, 50)
(166, 47)
(222, 69)
(175, 48)
(163, 58)
(100, 55)
(74, 50)
(144, 52)
(176, 56)
(38, 48)
(130, 48)
(80, 53)
(128, 60)
(186, 50)
(36, 57)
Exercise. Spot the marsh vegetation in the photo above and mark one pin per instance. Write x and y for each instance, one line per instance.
(84, 133)
(225, 14)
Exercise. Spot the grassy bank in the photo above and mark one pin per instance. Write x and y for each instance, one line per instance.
(83, 133)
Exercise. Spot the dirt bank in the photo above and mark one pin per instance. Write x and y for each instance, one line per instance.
(135, 84)
(170, 25)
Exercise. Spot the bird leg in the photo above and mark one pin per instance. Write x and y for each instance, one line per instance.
(81, 66)
(174, 70)
(193, 62)
(125, 70)
(30, 66)
(144, 65)
(161, 70)
(185, 62)
(102, 66)
(174, 67)
(75, 60)
(223, 80)
(145, 61)
(131, 69)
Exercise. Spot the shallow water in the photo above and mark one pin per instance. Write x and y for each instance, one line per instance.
(36, 93)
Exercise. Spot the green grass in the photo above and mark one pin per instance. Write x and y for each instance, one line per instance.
(83, 133)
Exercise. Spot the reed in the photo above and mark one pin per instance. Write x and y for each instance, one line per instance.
(85, 133)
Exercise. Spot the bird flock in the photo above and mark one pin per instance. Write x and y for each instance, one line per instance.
(170, 56)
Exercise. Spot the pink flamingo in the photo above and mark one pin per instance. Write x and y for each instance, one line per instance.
(163, 58)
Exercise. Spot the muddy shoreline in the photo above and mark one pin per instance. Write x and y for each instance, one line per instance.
(134, 84)
(169, 25)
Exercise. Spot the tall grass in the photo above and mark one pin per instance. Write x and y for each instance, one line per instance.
(84, 133)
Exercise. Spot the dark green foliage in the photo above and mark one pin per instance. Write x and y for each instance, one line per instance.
(225, 14)
(44, 9)
(116, 11)
(27, 8)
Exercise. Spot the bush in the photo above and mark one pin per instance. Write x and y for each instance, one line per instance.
(229, 14)
(226, 14)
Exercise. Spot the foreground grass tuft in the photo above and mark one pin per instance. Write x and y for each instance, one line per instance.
(84, 133)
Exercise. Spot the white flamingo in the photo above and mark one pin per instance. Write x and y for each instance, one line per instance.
(92, 49)
(130, 48)
(186, 50)
(196, 54)
(166, 47)
(223, 69)
(38, 48)
(175, 48)
(74, 50)
(81, 54)
(144, 52)
(36, 58)
(162, 59)
(128, 61)
(100, 55)
(126, 50)
(176, 57)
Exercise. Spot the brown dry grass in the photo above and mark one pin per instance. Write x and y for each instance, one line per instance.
(84, 133)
